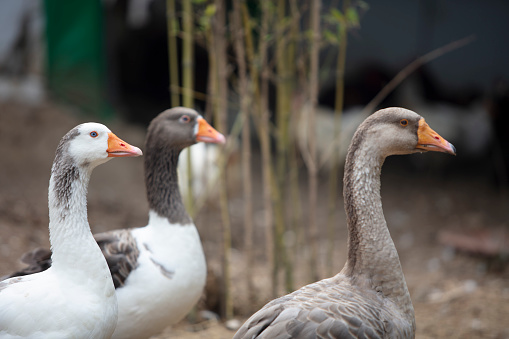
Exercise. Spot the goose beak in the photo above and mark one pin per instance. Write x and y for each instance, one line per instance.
(429, 140)
(119, 148)
(207, 133)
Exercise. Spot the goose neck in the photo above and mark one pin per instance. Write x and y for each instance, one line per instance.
(70, 236)
(372, 256)
(366, 224)
(161, 180)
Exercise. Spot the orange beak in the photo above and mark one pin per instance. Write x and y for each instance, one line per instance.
(207, 133)
(429, 140)
(119, 148)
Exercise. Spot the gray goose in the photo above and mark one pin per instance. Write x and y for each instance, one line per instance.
(159, 270)
(75, 298)
(369, 297)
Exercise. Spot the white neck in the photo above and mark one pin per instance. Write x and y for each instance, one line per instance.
(155, 220)
(70, 236)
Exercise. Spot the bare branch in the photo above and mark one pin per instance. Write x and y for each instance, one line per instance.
(396, 81)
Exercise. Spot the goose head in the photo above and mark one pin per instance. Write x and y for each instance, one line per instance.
(91, 144)
(400, 131)
(181, 127)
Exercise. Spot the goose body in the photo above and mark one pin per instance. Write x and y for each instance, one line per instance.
(369, 298)
(167, 282)
(75, 298)
(158, 270)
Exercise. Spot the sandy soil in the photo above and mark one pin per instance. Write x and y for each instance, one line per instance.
(455, 295)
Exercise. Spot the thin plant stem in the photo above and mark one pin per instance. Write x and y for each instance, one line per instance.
(264, 134)
(187, 84)
(173, 29)
(338, 110)
(312, 163)
(221, 115)
(238, 35)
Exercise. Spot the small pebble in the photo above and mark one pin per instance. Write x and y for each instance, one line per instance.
(233, 324)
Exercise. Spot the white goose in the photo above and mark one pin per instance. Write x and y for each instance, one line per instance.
(159, 270)
(75, 297)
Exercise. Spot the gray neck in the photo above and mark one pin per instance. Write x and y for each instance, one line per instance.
(372, 256)
(70, 236)
(161, 181)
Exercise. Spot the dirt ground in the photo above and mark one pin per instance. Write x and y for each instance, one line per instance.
(455, 294)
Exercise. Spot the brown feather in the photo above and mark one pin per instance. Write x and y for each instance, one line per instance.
(121, 253)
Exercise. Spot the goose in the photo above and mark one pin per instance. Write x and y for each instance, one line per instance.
(159, 270)
(75, 298)
(369, 297)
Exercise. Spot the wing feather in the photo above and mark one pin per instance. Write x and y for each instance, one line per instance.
(119, 248)
(345, 312)
(121, 252)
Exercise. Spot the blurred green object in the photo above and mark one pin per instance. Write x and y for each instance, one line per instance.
(76, 64)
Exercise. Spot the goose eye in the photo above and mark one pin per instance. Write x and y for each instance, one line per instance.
(185, 118)
(403, 122)
(94, 134)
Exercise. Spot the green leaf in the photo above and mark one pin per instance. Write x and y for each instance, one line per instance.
(336, 14)
(210, 10)
(330, 37)
(352, 17)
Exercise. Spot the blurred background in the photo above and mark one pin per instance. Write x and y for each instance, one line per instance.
(247, 66)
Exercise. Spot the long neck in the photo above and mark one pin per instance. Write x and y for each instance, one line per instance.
(161, 180)
(70, 236)
(372, 256)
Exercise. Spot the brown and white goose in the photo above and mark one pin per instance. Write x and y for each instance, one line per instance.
(75, 298)
(159, 270)
(369, 297)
